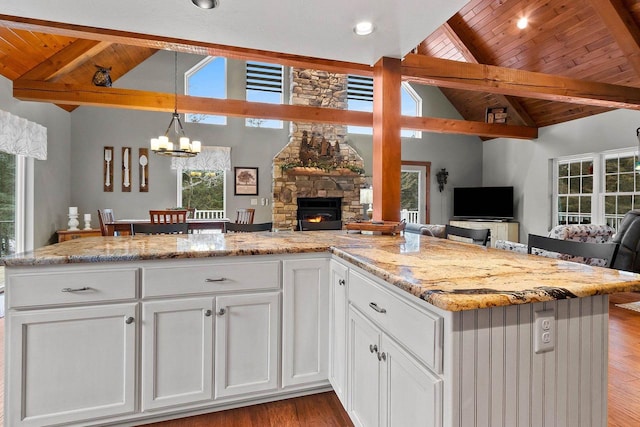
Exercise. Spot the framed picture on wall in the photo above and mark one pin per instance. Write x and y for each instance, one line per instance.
(245, 181)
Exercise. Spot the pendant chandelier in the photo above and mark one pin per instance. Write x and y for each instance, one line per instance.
(175, 142)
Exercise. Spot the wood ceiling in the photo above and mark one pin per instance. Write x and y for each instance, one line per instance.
(576, 58)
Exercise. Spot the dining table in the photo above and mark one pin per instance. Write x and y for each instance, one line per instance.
(123, 226)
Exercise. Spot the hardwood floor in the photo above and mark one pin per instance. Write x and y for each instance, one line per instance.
(324, 410)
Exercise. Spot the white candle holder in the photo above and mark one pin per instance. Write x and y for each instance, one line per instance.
(87, 221)
(73, 221)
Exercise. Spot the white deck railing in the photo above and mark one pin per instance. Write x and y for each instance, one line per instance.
(410, 216)
(208, 214)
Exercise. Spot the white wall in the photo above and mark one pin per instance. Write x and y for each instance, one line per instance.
(51, 176)
(527, 164)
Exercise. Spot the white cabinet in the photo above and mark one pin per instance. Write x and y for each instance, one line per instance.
(338, 305)
(177, 352)
(388, 387)
(305, 350)
(72, 364)
(246, 342)
(499, 230)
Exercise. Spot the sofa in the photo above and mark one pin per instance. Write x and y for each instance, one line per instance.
(628, 237)
(593, 233)
(434, 230)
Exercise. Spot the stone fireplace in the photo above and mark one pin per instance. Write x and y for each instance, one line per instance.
(316, 163)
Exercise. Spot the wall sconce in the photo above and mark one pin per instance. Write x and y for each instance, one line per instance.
(637, 166)
(441, 176)
(366, 198)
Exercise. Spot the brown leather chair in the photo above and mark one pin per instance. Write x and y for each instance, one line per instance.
(168, 216)
(628, 237)
(104, 216)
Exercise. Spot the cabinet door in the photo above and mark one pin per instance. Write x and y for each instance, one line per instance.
(177, 352)
(364, 375)
(305, 321)
(338, 330)
(410, 394)
(246, 343)
(70, 365)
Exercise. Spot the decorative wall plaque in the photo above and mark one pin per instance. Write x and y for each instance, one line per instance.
(143, 169)
(126, 169)
(107, 169)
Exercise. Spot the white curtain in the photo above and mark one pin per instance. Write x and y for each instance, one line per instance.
(23, 137)
(209, 159)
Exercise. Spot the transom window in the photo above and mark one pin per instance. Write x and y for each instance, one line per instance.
(360, 98)
(207, 79)
(264, 84)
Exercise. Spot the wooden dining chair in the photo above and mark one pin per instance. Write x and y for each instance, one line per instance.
(588, 250)
(247, 228)
(245, 216)
(176, 228)
(168, 216)
(104, 216)
(477, 236)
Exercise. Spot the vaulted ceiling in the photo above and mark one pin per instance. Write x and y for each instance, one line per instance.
(582, 48)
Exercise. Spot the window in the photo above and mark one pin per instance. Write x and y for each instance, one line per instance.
(7, 204)
(207, 79)
(204, 191)
(264, 84)
(575, 191)
(621, 186)
(598, 188)
(360, 98)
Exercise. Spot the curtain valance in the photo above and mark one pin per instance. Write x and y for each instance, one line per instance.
(23, 137)
(209, 159)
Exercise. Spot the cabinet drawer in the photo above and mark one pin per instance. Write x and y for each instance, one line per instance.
(418, 330)
(71, 287)
(210, 277)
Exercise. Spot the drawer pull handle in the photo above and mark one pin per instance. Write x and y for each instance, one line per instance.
(221, 312)
(85, 288)
(373, 348)
(128, 320)
(208, 313)
(222, 279)
(342, 282)
(382, 357)
(376, 308)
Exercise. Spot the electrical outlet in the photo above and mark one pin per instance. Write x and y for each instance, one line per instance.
(544, 331)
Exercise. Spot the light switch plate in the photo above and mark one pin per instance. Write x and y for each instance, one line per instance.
(254, 202)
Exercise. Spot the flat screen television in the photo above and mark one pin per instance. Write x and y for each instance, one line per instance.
(483, 203)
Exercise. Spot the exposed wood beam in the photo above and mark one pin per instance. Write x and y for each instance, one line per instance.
(71, 95)
(472, 54)
(623, 28)
(466, 127)
(181, 45)
(488, 78)
(65, 60)
(387, 146)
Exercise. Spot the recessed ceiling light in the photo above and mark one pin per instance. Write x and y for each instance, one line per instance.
(522, 23)
(205, 4)
(363, 28)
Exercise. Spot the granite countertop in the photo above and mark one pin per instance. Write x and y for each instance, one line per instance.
(451, 275)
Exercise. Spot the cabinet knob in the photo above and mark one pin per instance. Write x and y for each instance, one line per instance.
(342, 282)
(382, 356)
(221, 312)
(376, 308)
(373, 348)
(128, 320)
(208, 313)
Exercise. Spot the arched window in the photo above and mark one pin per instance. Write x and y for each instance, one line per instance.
(360, 98)
(207, 79)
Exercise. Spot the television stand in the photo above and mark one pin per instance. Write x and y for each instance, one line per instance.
(500, 230)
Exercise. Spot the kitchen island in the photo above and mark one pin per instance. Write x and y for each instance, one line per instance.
(408, 330)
